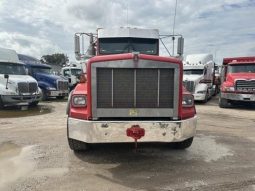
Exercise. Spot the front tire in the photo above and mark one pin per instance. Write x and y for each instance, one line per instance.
(60, 97)
(44, 95)
(1, 103)
(77, 146)
(223, 103)
(35, 103)
(184, 144)
(206, 97)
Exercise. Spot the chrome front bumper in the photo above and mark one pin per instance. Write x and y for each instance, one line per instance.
(238, 97)
(56, 93)
(115, 131)
(199, 97)
(9, 100)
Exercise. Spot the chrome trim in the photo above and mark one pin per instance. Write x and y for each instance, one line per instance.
(20, 99)
(238, 97)
(64, 86)
(96, 113)
(112, 87)
(135, 112)
(246, 80)
(115, 131)
(135, 88)
(158, 85)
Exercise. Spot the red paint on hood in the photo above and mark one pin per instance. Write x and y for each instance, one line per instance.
(231, 77)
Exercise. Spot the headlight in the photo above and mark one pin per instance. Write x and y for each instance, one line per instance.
(187, 100)
(201, 92)
(79, 100)
(229, 89)
(51, 88)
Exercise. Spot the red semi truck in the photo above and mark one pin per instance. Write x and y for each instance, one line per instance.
(237, 81)
(129, 92)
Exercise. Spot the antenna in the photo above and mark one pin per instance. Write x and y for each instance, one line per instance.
(173, 38)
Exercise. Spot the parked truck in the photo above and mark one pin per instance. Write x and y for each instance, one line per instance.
(72, 73)
(130, 93)
(51, 85)
(238, 81)
(16, 87)
(199, 76)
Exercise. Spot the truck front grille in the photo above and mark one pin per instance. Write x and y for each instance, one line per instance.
(189, 85)
(135, 88)
(25, 87)
(245, 85)
(62, 85)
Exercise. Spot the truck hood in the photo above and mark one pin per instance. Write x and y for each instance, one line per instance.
(40, 76)
(13, 83)
(14, 79)
(231, 77)
(194, 78)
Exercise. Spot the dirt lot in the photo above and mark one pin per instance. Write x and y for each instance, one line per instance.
(34, 155)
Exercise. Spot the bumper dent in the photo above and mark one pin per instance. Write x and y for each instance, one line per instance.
(115, 131)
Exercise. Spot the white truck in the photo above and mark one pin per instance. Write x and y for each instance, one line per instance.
(72, 73)
(16, 87)
(198, 76)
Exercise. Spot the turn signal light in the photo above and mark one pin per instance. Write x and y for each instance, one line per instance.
(83, 78)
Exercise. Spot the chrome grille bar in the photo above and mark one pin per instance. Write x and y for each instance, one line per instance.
(158, 85)
(112, 87)
(135, 88)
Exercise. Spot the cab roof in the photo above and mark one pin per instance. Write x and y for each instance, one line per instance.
(239, 60)
(31, 61)
(8, 55)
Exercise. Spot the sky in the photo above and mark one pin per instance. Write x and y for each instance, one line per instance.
(223, 28)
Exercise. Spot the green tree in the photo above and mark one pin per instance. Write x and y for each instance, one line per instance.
(55, 59)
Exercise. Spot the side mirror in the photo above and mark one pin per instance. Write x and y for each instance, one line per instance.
(223, 74)
(77, 46)
(6, 76)
(180, 46)
(91, 49)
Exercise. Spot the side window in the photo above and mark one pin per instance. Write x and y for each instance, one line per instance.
(66, 72)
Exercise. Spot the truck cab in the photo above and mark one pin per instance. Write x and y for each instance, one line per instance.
(198, 76)
(16, 87)
(129, 93)
(50, 84)
(237, 81)
(72, 73)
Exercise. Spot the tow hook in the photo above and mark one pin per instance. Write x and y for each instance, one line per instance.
(136, 132)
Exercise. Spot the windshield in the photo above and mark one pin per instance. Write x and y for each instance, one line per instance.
(247, 68)
(193, 72)
(12, 68)
(125, 45)
(74, 72)
(41, 70)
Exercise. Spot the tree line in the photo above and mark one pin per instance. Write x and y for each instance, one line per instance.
(59, 59)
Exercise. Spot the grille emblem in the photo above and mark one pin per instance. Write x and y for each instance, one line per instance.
(133, 112)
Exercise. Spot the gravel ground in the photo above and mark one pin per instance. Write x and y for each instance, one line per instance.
(34, 155)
